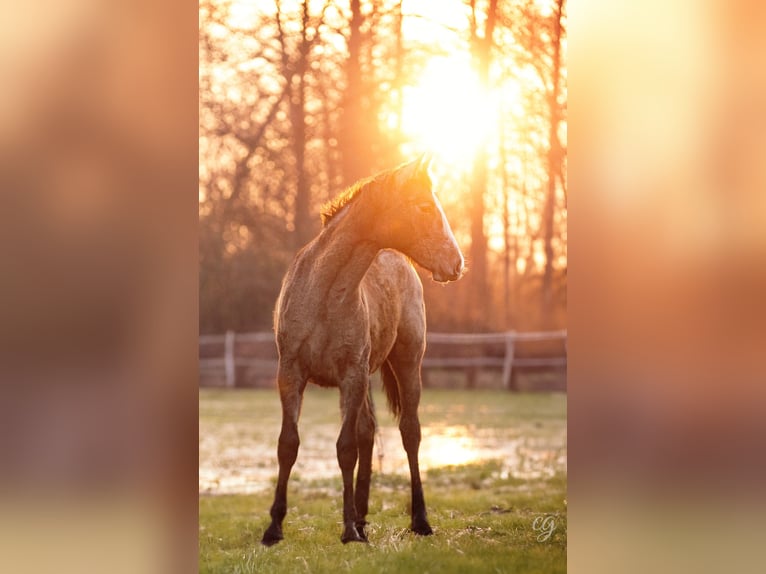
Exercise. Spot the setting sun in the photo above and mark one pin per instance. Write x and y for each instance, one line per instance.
(447, 112)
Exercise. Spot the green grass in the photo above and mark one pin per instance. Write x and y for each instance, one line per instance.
(482, 513)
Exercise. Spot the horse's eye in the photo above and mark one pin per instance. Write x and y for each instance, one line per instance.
(427, 208)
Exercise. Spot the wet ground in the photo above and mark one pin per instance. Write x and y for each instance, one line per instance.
(525, 433)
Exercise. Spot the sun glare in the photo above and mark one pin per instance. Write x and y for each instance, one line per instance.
(452, 448)
(447, 112)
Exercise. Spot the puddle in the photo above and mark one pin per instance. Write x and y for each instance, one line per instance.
(235, 458)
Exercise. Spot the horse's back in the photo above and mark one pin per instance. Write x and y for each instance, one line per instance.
(394, 298)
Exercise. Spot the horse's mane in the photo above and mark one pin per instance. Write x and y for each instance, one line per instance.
(344, 198)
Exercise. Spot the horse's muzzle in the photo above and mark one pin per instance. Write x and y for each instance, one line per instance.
(444, 276)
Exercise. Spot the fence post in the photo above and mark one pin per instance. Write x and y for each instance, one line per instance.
(228, 349)
(510, 344)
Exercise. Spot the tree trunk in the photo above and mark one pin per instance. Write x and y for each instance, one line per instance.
(477, 258)
(302, 222)
(355, 160)
(481, 297)
(553, 157)
(506, 233)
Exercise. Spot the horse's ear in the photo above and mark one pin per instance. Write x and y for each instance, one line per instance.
(424, 164)
(407, 172)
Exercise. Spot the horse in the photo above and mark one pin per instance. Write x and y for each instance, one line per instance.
(352, 303)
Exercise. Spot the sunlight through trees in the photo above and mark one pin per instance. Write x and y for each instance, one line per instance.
(300, 98)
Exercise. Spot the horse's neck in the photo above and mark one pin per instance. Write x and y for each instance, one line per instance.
(347, 251)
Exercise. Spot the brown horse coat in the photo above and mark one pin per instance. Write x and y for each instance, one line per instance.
(352, 303)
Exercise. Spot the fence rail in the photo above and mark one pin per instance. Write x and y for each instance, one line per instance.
(230, 361)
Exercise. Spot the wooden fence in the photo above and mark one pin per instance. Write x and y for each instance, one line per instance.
(261, 353)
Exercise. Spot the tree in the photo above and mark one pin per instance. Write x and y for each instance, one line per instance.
(481, 49)
(554, 158)
(373, 67)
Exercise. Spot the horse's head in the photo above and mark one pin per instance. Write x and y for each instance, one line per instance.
(416, 225)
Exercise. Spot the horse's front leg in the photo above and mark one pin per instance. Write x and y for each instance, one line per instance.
(353, 391)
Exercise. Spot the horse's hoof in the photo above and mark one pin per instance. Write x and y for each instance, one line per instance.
(271, 536)
(361, 532)
(422, 528)
(350, 534)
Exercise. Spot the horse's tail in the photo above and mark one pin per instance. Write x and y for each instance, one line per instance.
(391, 387)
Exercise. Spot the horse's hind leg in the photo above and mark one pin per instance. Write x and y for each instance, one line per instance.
(291, 386)
(365, 437)
(407, 371)
(353, 391)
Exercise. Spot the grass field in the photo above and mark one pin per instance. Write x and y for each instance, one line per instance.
(494, 468)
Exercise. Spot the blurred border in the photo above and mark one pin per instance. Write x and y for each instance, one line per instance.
(667, 234)
(98, 310)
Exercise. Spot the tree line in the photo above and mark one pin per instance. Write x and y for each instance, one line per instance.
(299, 99)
